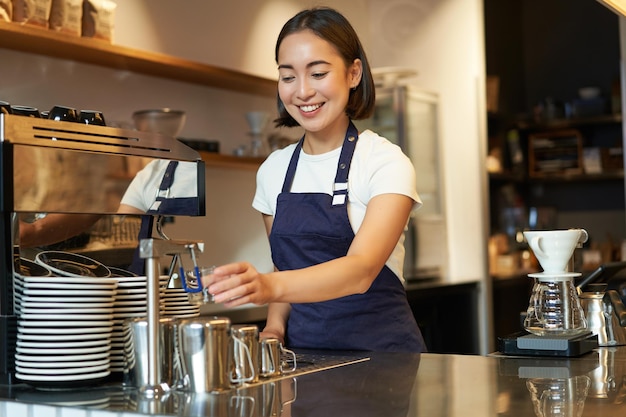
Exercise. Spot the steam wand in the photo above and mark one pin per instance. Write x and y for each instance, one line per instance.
(151, 250)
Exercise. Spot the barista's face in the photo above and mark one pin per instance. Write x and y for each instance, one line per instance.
(314, 83)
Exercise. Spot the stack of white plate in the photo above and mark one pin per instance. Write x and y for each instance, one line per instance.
(130, 302)
(64, 329)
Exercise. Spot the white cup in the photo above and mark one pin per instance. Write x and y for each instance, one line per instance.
(554, 248)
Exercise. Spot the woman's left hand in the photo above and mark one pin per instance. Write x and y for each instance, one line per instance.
(238, 283)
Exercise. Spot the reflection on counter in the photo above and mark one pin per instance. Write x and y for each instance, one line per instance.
(325, 385)
(433, 385)
(571, 387)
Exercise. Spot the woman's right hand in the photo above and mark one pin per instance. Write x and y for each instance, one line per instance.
(238, 283)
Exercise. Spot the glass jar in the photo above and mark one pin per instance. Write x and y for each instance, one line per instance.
(554, 308)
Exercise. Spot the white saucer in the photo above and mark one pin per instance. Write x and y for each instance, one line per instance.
(60, 378)
(88, 318)
(64, 351)
(131, 303)
(173, 303)
(73, 293)
(56, 337)
(61, 358)
(68, 286)
(74, 301)
(62, 342)
(70, 280)
(134, 309)
(61, 371)
(129, 291)
(175, 297)
(60, 326)
(88, 312)
(53, 365)
(66, 306)
(561, 275)
(129, 315)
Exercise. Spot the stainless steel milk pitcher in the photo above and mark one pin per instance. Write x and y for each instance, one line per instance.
(207, 355)
(249, 335)
(136, 352)
(270, 361)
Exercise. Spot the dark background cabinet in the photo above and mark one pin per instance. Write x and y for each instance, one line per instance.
(542, 53)
(446, 315)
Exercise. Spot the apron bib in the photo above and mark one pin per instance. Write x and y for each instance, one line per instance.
(311, 228)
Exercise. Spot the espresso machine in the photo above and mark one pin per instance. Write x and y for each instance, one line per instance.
(50, 166)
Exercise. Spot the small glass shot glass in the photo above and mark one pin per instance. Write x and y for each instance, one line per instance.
(197, 294)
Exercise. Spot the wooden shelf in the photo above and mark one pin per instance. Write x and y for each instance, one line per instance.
(217, 160)
(93, 51)
(609, 176)
(604, 119)
(519, 178)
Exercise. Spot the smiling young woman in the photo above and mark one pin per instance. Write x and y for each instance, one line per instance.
(336, 220)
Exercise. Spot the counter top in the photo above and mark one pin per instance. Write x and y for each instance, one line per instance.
(433, 385)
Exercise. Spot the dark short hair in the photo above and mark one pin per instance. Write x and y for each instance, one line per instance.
(333, 27)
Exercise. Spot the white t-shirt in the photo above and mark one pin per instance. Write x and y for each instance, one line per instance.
(378, 167)
(142, 191)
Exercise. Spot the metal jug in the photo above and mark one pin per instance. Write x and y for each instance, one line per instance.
(606, 314)
(206, 346)
(603, 304)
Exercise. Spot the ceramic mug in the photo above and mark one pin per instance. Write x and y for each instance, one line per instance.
(63, 113)
(5, 107)
(554, 248)
(25, 111)
(91, 117)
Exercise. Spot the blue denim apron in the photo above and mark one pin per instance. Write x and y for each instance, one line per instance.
(311, 228)
(163, 205)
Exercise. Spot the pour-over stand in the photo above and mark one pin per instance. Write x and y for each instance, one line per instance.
(545, 343)
(527, 344)
(524, 343)
(569, 338)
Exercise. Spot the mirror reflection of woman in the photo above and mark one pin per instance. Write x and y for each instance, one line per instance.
(335, 205)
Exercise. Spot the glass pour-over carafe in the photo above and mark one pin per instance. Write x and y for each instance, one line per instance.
(554, 308)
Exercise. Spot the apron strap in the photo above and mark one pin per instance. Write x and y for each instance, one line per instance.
(293, 163)
(340, 186)
(164, 188)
